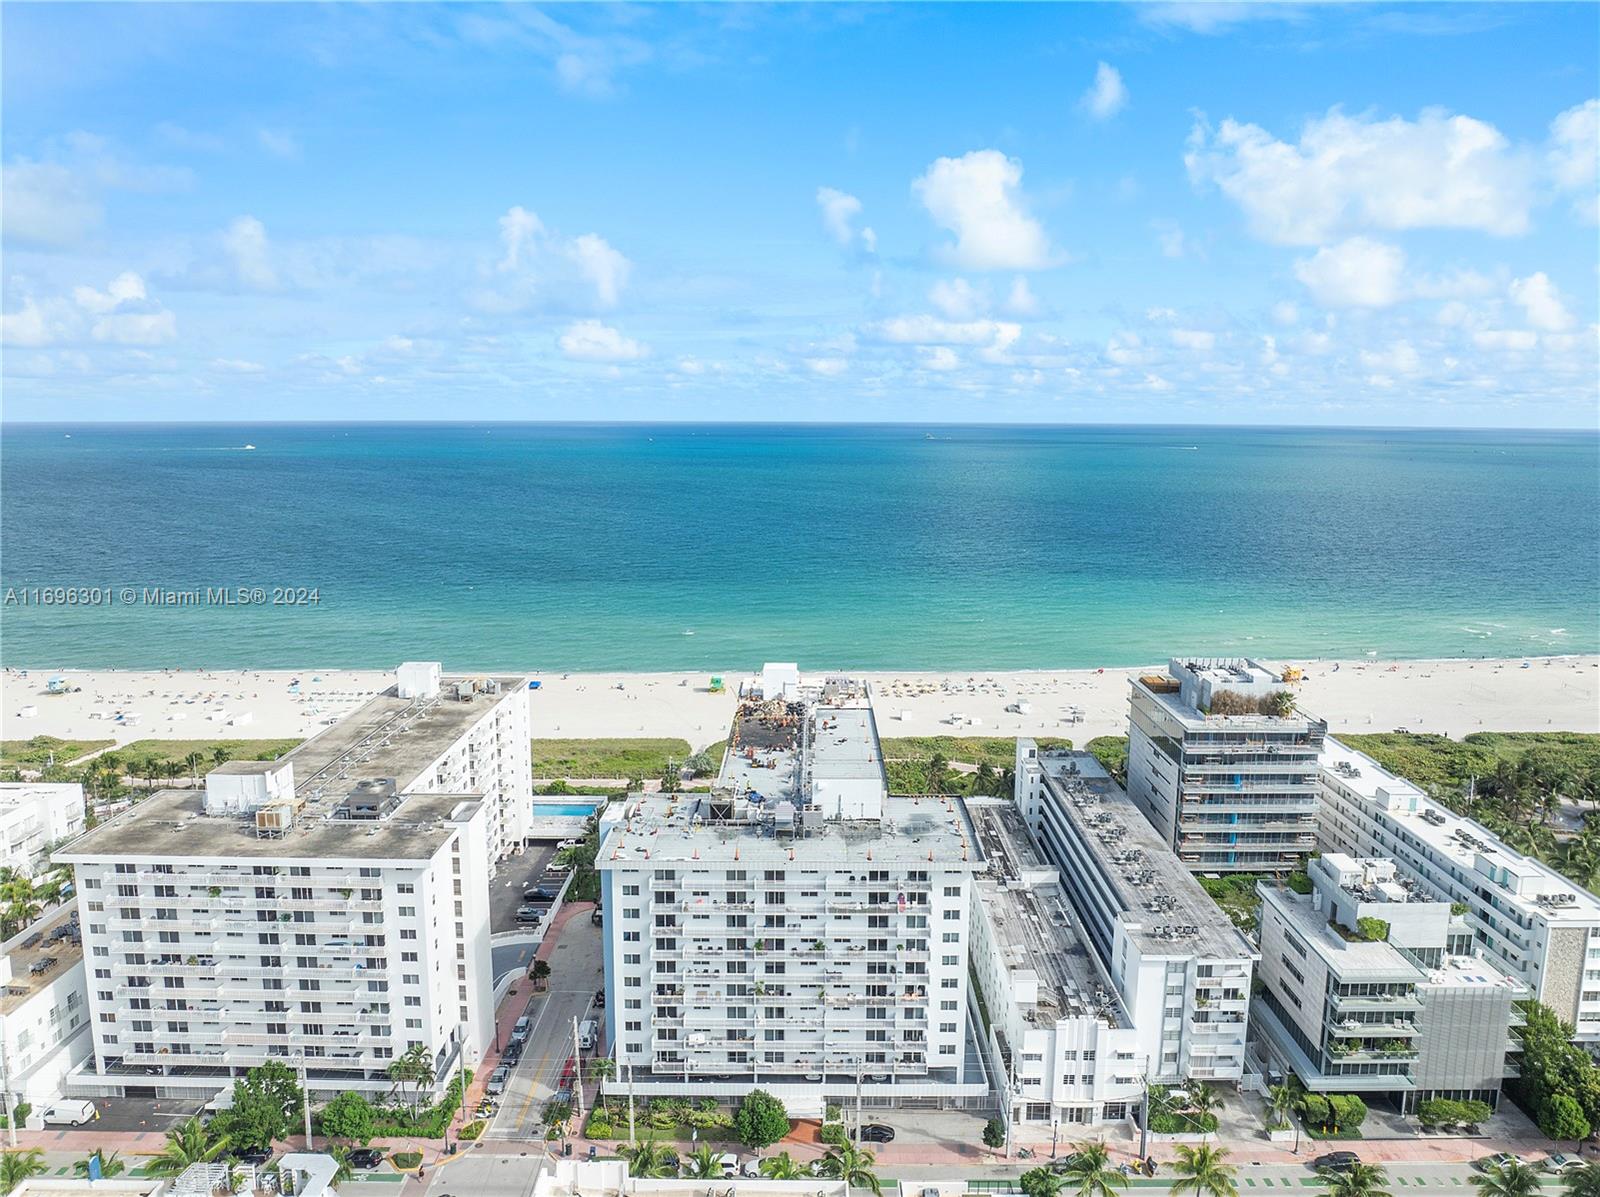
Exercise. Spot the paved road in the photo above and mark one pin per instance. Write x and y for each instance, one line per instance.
(516, 873)
(575, 974)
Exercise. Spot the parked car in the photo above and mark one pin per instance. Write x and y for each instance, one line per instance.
(1556, 1162)
(70, 1112)
(513, 1054)
(498, 1079)
(752, 1166)
(1064, 1163)
(521, 1030)
(530, 914)
(539, 893)
(1336, 1161)
(1501, 1158)
(253, 1155)
(365, 1157)
(876, 1132)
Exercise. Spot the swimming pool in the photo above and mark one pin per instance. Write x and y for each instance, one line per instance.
(566, 808)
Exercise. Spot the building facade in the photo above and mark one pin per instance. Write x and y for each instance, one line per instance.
(1179, 966)
(44, 1010)
(34, 816)
(1524, 916)
(796, 929)
(330, 907)
(1369, 987)
(1227, 792)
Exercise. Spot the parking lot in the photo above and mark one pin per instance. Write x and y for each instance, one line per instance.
(516, 874)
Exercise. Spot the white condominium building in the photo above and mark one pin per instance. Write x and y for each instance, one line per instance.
(797, 929)
(1229, 787)
(44, 1010)
(1530, 920)
(330, 905)
(33, 816)
(1178, 965)
(1062, 1046)
(1368, 986)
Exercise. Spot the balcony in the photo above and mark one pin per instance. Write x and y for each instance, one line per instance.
(1393, 1001)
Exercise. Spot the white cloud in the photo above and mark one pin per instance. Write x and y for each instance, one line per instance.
(535, 259)
(1574, 157)
(828, 367)
(1125, 349)
(839, 212)
(1398, 358)
(125, 288)
(940, 357)
(592, 341)
(978, 197)
(1213, 16)
(1194, 339)
(1285, 312)
(1542, 302)
(233, 365)
(278, 143)
(930, 330)
(958, 299)
(1515, 339)
(1351, 173)
(122, 314)
(605, 268)
(30, 328)
(136, 328)
(1107, 95)
(246, 243)
(1021, 301)
(689, 365)
(1358, 272)
(47, 204)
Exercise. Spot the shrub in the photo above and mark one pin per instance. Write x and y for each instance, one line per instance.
(1349, 1111)
(472, 1130)
(761, 1120)
(833, 1134)
(1316, 1110)
(1372, 930)
(1561, 1117)
(994, 1134)
(600, 1126)
(407, 1160)
(348, 1116)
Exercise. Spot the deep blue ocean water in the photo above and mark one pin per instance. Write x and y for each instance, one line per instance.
(684, 547)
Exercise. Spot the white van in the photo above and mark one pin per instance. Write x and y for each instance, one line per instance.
(589, 1035)
(70, 1113)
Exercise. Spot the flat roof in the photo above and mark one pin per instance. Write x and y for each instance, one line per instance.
(1349, 960)
(1191, 715)
(705, 829)
(1164, 907)
(24, 982)
(390, 736)
(1457, 839)
(844, 745)
(1009, 852)
(172, 823)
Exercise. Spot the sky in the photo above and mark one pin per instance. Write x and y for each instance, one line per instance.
(1171, 213)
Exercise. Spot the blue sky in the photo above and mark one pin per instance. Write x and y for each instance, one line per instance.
(1231, 213)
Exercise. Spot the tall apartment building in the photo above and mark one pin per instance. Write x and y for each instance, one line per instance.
(1227, 792)
(1530, 920)
(44, 1011)
(33, 817)
(1177, 963)
(1062, 1046)
(330, 906)
(1410, 1015)
(796, 929)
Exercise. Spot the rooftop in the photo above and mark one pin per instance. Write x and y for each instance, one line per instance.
(65, 951)
(1537, 887)
(723, 829)
(1350, 960)
(1033, 920)
(1164, 906)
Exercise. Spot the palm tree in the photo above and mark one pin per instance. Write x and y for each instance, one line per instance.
(346, 1171)
(110, 1165)
(647, 1158)
(602, 1068)
(1092, 1172)
(1204, 1172)
(414, 1068)
(704, 1162)
(1514, 1179)
(782, 1166)
(187, 1143)
(1202, 1101)
(193, 760)
(1584, 1181)
(853, 1165)
(18, 1166)
(1359, 1180)
(1281, 1103)
(219, 756)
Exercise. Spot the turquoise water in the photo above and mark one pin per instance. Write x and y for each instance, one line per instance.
(563, 808)
(690, 547)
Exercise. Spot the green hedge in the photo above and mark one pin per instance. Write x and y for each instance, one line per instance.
(431, 1122)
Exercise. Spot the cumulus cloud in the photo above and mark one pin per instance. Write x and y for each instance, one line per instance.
(592, 341)
(47, 204)
(1357, 273)
(1346, 174)
(1107, 95)
(121, 314)
(839, 211)
(1538, 297)
(1399, 357)
(828, 367)
(1574, 157)
(583, 271)
(931, 330)
(958, 299)
(1021, 301)
(978, 197)
(1194, 339)
(939, 357)
(246, 245)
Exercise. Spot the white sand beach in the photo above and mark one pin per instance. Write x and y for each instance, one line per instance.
(1452, 697)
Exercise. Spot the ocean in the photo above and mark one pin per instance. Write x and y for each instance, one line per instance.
(590, 547)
